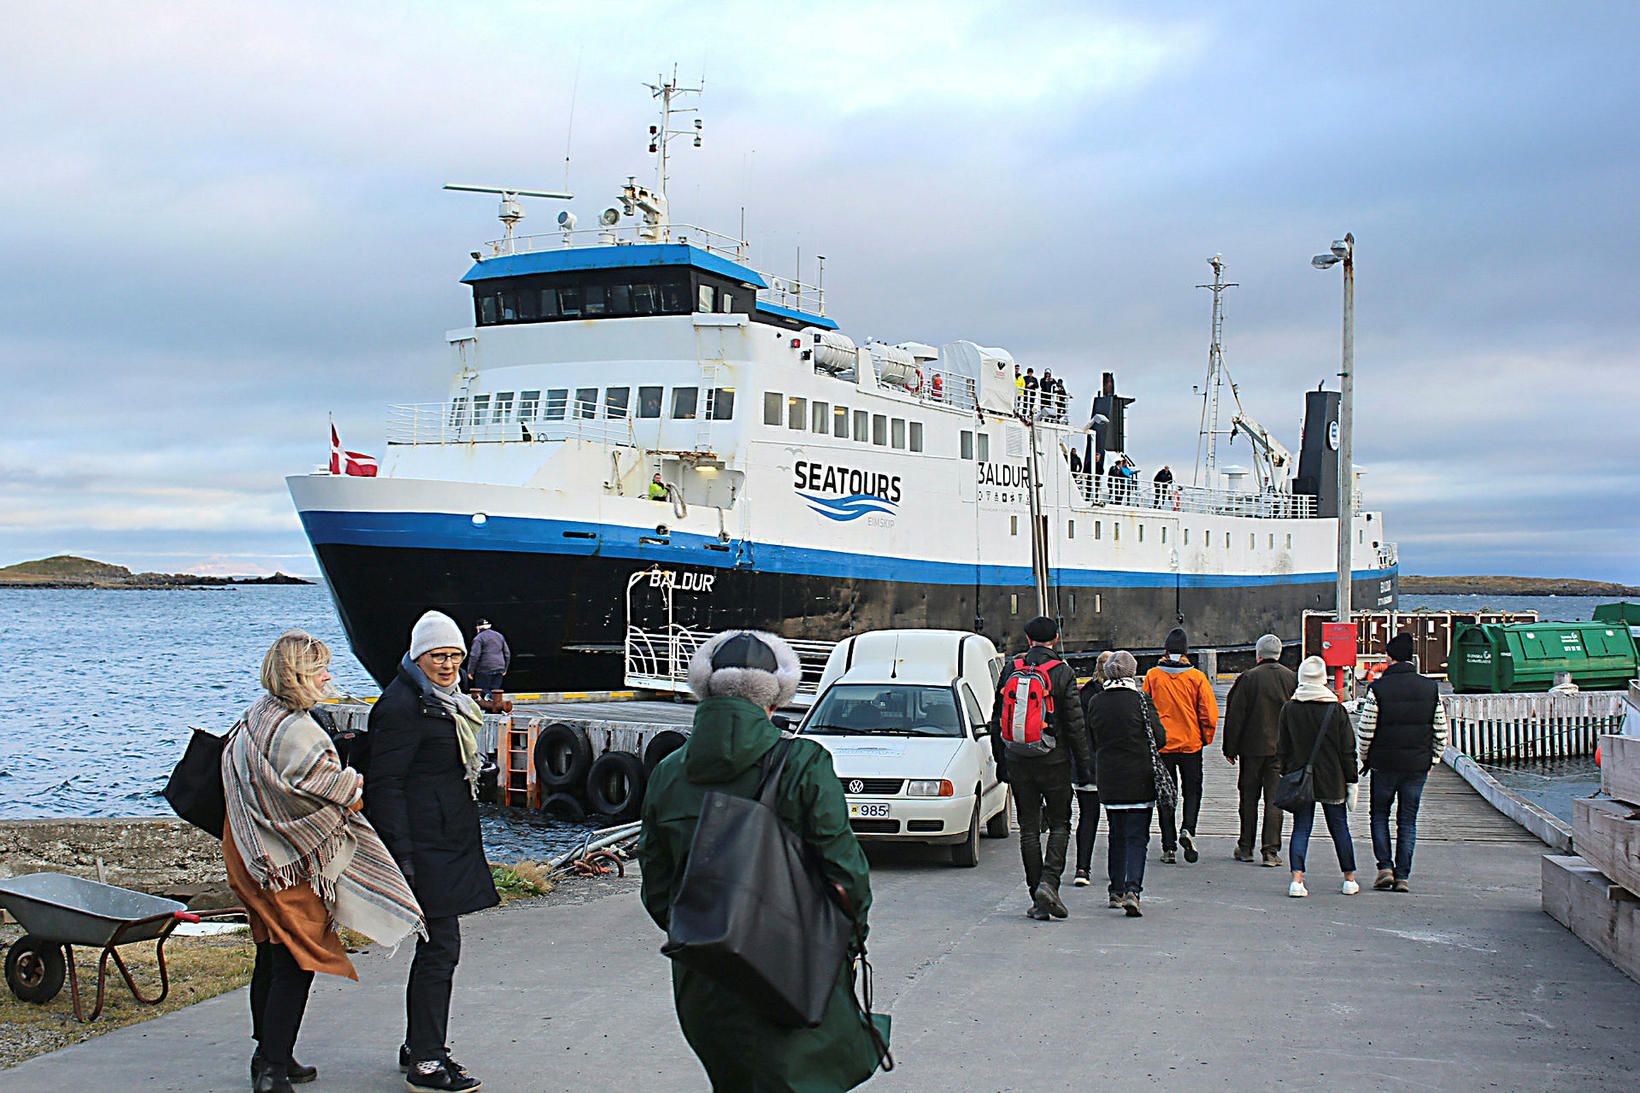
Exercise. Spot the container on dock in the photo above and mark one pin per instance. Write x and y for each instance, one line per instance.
(1526, 656)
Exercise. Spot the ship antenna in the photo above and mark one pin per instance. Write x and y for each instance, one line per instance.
(660, 136)
(1217, 375)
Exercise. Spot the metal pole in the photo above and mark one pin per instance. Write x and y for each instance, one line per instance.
(1346, 441)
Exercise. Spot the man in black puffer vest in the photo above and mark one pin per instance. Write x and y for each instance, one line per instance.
(1403, 732)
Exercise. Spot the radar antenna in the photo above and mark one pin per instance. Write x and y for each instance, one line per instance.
(511, 210)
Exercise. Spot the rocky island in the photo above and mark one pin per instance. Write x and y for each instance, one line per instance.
(68, 571)
(1512, 586)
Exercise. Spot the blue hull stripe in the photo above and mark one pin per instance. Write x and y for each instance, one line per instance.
(445, 531)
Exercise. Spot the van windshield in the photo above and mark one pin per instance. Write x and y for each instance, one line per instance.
(849, 709)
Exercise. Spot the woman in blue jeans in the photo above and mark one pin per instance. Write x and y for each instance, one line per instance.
(1316, 730)
(1123, 728)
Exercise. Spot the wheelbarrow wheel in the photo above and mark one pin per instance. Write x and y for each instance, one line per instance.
(35, 969)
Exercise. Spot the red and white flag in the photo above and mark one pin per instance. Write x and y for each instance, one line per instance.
(346, 462)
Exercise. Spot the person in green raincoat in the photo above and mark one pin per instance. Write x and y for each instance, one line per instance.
(740, 677)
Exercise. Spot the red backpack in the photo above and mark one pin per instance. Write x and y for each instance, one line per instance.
(1027, 708)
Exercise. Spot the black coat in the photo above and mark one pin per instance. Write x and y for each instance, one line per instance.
(1070, 733)
(1116, 722)
(418, 797)
(1335, 767)
(1252, 713)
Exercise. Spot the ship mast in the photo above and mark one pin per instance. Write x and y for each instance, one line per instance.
(1207, 438)
(660, 136)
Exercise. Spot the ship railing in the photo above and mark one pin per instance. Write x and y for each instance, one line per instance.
(953, 389)
(657, 659)
(1092, 491)
(464, 421)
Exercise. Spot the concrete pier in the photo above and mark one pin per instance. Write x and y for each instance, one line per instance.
(1226, 983)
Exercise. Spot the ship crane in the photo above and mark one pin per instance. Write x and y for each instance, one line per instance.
(1270, 456)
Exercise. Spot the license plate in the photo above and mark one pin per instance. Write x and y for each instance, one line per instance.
(869, 810)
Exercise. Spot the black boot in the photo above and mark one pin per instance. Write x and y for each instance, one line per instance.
(273, 1079)
(296, 1073)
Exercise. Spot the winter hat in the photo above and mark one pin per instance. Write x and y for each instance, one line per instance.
(1177, 643)
(1312, 682)
(749, 664)
(1399, 647)
(481, 624)
(1268, 647)
(435, 630)
(1042, 628)
(1121, 665)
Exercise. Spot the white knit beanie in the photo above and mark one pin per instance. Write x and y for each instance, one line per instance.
(435, 630)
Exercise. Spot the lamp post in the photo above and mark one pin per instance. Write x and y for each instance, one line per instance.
(1343, 250)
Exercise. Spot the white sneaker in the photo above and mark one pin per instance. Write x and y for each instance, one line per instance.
(1297, 890)
(1350, 888)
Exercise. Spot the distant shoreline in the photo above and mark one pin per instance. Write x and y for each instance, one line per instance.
(1511, 586)
(65, 571)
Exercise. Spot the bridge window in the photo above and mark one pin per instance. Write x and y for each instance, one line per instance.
(774, 407)
(620, 299)
(509, 306)
(820, 418)
(723, 404)
(966, 449)
(529, 404)
(879, 430)
(726, 301)
(503, 407)
(916, 436)
(595, 300)
(683, 403)
(549, 303)
(706, 300)
(649, 401)
(797, 412)
(862, 428)
(586, 402)
(481, 409)
(616, 401)
(488, 308)
(557, 398)
(897, 427)
(569, 301)
(839, 422)
(643, 299)
(984, 447)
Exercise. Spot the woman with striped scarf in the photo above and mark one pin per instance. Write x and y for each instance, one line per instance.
(299, 855)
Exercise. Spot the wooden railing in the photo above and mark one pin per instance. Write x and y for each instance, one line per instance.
(1506, 728)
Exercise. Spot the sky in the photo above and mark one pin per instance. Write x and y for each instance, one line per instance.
(223, 222)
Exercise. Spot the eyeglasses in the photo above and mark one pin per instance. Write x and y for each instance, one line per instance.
(446, 658)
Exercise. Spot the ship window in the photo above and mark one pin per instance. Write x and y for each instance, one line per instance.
(879, 430)
(1013, 602)
(1098, 603)
(839, 422)
(649, 402)
(509, 306)
(897, 427)
(458, 413)
(1164, 534)
(1252, 542)
(1141, 533)
(1360, 536)
(620, 299)
(643, 299)
(862, 426)
(726, 301)
(675, 298)
(554, 409)
(774, 407)
(1073, 602)
(596, 299)
(820, 418)
(1186, 536)
(1272, 540)
(549, 303)
(916, 436)
(706, 298)
(1289, 540)
(1116, 533)
(529, 305)
(984, 447)
(569, 301)
(797, 412)
(616, 401)
(1207, 537)
(486, 310)
(481, 409)
(503, 407)
(1098, 529)
(1013, 524)
(683, 403)
(1070, 529)
(529, 404)
(723, 404)
(586, 402)
(966, 446)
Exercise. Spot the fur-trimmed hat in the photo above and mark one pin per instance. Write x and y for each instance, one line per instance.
(749, 664)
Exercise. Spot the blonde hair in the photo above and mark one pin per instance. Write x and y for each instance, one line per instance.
(291, 668)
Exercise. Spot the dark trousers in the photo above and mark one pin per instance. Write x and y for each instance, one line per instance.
(1186, 768)
(427, 995)
(1338, 825)
(486, 682)
(1407, 791)
(1042, 799)
(1129, 837)
(1257, 777)
(1087, 828)
(279, 994)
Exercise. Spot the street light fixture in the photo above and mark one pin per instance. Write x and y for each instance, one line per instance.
(1343, 250)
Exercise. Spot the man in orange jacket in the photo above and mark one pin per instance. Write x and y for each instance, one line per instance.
(1183, 696)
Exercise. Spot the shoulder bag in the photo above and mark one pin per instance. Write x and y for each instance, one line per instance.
(194, 790)
(1167, 791)
(1296, 790)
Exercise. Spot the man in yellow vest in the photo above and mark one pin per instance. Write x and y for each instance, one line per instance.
(658, 490)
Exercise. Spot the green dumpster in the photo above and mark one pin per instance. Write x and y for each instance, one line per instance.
(1623, 612)
(1526, 656)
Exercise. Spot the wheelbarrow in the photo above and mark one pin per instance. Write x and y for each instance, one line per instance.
(59, 912)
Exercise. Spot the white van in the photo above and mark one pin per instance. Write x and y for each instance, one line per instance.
(905, 715)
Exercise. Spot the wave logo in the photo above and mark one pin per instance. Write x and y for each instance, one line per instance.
(852, 507)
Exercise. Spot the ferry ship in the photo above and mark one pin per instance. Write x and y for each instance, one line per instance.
(647, 440)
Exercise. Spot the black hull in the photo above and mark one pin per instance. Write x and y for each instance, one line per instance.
(565, 616)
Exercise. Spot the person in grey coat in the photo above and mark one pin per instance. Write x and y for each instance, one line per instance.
(489, 658)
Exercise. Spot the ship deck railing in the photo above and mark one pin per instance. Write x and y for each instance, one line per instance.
(1096, 491)
(657, 659)
(461, 422)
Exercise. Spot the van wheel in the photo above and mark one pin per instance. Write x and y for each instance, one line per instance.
(997, 826)
(966, 853)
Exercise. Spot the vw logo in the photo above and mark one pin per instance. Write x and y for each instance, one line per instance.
(856, 786)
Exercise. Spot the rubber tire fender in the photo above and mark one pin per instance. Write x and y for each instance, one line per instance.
(661, 745)
(611, 773)
(35, 969)
(565, 806)
(565, 746)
